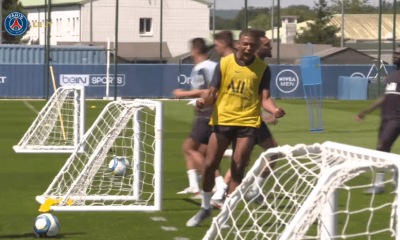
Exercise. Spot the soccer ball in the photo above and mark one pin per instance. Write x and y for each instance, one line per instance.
(118, 166)
(46, 225)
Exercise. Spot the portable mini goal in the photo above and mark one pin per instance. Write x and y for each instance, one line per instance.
(59, 126)
(131, 130)
(313, 192)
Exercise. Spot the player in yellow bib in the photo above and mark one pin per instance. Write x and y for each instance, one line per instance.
(241, 81)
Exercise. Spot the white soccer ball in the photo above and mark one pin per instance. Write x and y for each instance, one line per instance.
(46, 225)
(118, 166)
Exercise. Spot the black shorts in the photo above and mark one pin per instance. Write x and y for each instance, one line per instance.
(233, 132)
(388, 133)
(263, 134)
(201, 131)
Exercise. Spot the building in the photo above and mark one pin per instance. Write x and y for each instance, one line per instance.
(139, 22)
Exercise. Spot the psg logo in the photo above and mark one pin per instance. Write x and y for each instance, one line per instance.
(16, 23)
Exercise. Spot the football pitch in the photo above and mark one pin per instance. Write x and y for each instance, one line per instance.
(24, 176)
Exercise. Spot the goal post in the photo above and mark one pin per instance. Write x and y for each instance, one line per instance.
(132, 130)
(313, 192)
(59, 126)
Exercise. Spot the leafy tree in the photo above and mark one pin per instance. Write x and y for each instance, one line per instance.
(261, 21)
(318, 31)
(252, 13)
(8, 7)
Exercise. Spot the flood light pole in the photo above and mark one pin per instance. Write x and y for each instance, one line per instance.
(116, 51)
(379, 47)
(394, 23)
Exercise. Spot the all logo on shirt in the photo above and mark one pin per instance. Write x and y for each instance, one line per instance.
(238, 88)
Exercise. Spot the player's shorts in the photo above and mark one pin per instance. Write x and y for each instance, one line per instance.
(233, 132)
(388, 133)
(263, 134)
(201, 131)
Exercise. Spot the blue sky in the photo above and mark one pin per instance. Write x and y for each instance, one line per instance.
(237, 4)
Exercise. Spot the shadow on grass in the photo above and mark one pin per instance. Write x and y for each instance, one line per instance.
(30, 235)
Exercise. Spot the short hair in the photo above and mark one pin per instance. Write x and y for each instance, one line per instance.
(250, 33)
(260, 33)
(200, 44)
(225, 36)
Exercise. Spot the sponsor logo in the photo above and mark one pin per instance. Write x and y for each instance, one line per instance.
(100, 80)
(16, 23)
(287, 81)
(357, 74)
(91, 80)
(74, 80)
(3, 79)
(183, 79)
(391, 87)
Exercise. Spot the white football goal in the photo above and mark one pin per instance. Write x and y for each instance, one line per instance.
(313, 192)
(59, 126)
(129, 130)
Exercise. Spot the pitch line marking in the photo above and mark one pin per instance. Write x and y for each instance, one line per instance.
(159, 219)
(31, 107)
(169, 228)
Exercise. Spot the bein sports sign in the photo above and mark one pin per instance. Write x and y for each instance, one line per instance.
(287, 81)
(91, 80)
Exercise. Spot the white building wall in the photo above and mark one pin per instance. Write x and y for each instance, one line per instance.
(65, 24)
(182, 21)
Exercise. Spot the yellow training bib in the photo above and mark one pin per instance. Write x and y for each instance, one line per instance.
(238, 102)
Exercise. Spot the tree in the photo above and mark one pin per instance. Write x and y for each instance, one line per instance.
(261, 21)
(319, 31)
(10, 6)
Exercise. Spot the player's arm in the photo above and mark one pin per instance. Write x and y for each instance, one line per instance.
(378, 103)
(198, 93)
(211, 95)
(266, 101)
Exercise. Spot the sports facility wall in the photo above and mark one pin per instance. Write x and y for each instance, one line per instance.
(156, 80)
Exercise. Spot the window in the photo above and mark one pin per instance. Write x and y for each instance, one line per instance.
(61, 27)
(145, 26)
(73, 26)
(77, 26)
(57, 27)
(69, 24)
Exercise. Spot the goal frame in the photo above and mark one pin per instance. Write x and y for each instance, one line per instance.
(328, 223)
(79, 123)
(158, 166)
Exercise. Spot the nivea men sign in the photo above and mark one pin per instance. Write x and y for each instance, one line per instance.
(90, 80)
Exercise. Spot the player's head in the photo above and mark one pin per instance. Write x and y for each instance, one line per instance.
(223, 42)
(199, 47)
(247, 45)
(396, 56)
(265, 48)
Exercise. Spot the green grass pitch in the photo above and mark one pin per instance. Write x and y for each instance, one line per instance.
(24, 176)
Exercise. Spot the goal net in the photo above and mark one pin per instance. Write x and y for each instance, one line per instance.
(313, 192)
(120, 168)
(59, 126)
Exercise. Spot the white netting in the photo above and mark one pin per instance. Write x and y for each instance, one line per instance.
(57, 126)
(299, 190)
(124, 129)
